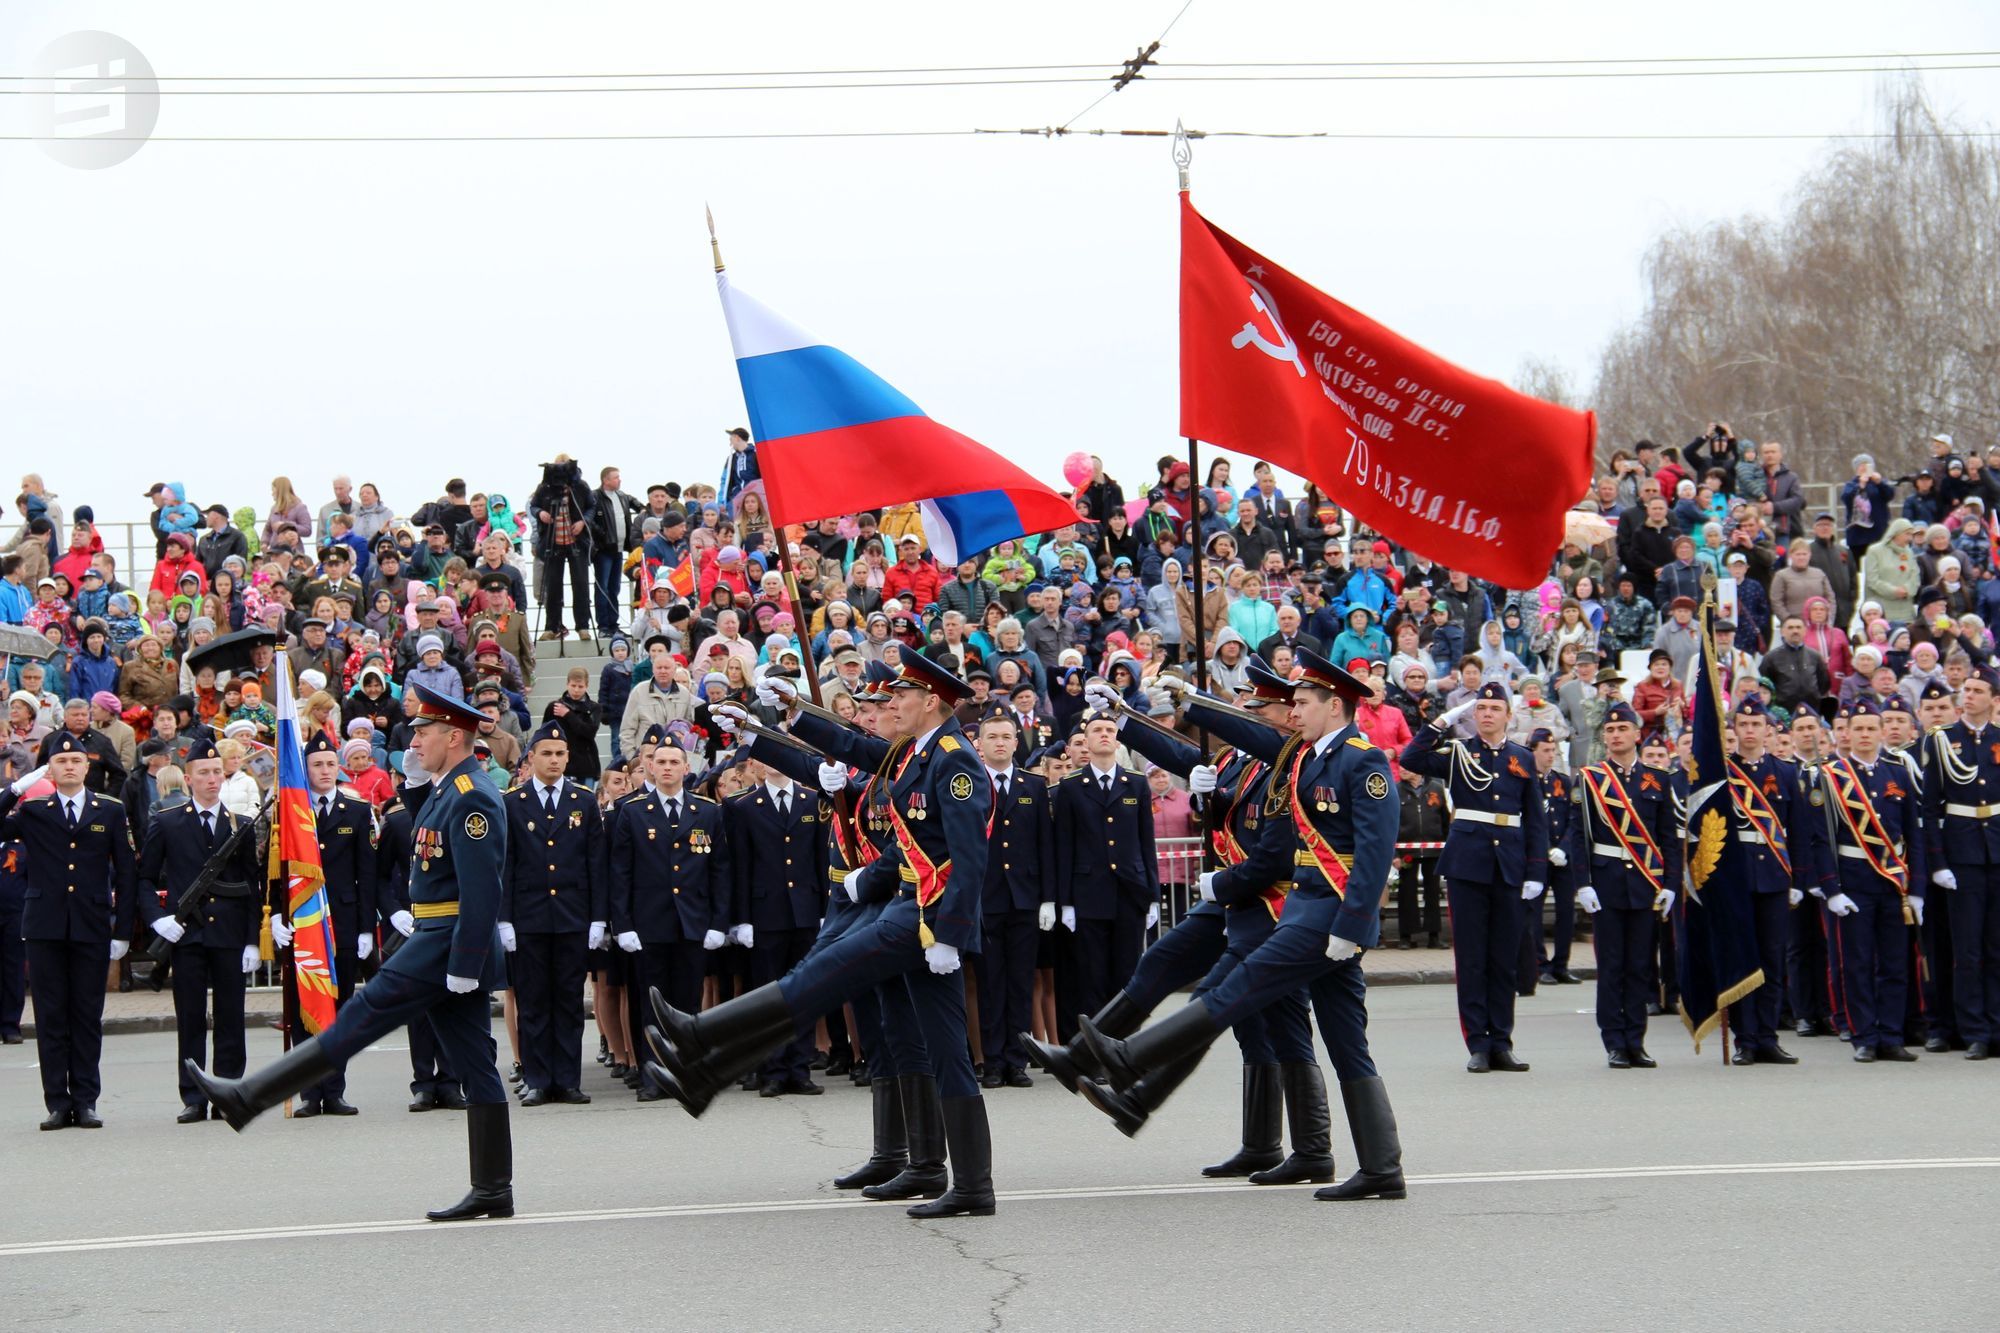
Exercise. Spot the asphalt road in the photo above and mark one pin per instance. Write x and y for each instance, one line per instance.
(1827, 1196)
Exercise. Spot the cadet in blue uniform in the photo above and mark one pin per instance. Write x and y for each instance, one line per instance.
(553, 911)
(433, 1084)
(940, 807)
(217, 948)
(777, 835)
(1538, 963)
(1787, 856)
(1807, 969)
(13, 949)
(77, 915)
(445, 969)
(1107, 868)
(1928, 1013)
(1330, 822)
(1020, 900)
(1962, 834)
(1495, 858)
(1627, 827)
(1881, 864)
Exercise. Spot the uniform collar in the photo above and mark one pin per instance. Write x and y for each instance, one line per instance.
(543, 792)
(1001, 774)
(928, 737)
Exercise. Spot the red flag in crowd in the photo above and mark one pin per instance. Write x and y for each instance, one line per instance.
(1459, 467)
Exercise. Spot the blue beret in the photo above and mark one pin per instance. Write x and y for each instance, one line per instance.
(200, 748)
(1621, 712)
(321, 743)
(654, 735)
(66, 742)
(548, 731)
(1493, 689)
(1752, 707)
(1896, 703)
(1538, 735)
(1864, 707)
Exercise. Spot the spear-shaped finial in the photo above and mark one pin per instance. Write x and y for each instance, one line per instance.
(1183, 153)
(714, 246)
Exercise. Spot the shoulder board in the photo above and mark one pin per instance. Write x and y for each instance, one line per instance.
(394, 807)
(948, 743)
(1361, 742)
(463, 782)
(108, 800)
(698, 799)
(629, 797)
(521, 791)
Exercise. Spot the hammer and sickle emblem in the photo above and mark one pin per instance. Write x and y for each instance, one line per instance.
(1282, 350)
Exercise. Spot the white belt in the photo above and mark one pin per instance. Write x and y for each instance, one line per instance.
(1973, 811)
(1488, 817)
(1608, 851)
(1751, 836)
(1861, 855)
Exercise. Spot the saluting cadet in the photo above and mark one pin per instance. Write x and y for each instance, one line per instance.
(1881, 866)
(671, 877)
(77, 917)
(346, 831)
(1627, 824)
(1330, 822)
(1020, 901)
(445, 969)
(220, 950)
(1962, 840)
(1808, 965)
(1787, 856)
(940, 809)
(1107, 869)
(1495, 858)
(553, 912)
(777, 835)
(1929, 1014)
(432, 1082)
(1537, 961)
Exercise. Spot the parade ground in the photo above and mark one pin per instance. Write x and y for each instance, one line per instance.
(1827, 1196)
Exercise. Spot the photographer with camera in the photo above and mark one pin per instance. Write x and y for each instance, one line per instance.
(563, 509)
(1717, 449)
(1865, 499)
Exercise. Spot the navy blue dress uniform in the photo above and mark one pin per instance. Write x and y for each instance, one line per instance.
(1020, 877)
(346, 833)
(433, 1083)
(1539, 961)
(1497, 844)
(208, 958)
(78, 906)
(1627, 826)
(446, 969)
(1881, 864)
(1929, 1014)
(778, 836)
(1787, 857)
(1107, 872)
(1330, 825)
(13, 948)
(1962, 834)
(557, 886)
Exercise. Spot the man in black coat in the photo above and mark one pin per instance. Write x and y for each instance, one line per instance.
(1107, 871)
(563, 509)
(1020, 901)
(433, 1082)
(778, 832)
(614, 530)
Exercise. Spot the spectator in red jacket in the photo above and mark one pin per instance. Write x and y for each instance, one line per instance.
(911, 580)
(179, 560)
(723, 566)
(1379, 720)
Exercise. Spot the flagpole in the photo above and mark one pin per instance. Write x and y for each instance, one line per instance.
(1183, 152)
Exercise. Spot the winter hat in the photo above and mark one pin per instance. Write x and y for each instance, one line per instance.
(106, 700)
(199, 623)
(311, 681)
(428, 643)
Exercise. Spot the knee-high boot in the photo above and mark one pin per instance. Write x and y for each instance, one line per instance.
(971, 1140)
(1377, 1146)
(1075, 1065)
(1262, 1148)
(924, 1126)
(242, 1100)
(1131, 1110)
(1311, 1124)
(891, 1153)
(1172, 1039)
(490, 1145)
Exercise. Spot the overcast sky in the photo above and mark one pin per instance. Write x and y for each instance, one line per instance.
(218, 312)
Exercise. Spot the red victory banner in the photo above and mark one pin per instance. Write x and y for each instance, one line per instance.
(1461, 468)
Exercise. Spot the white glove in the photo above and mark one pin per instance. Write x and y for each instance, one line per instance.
(1205, 885)
(596, 940)
(405, 924)
(1818, 893)
(169, 929)
(832, 778)
(1201, 779)
(1531, 890)
(1796, 896)
(1450, 716)
(713, 939)
(29, 779)
(1158, 701)
(1663, 901)
(744, 935)
(730, 717)
(281, 934)
(1586, 898)
(628, 941)
(1152, 916)
(251, 958)
(461, 985)
(1841, 905)
(414, 772)
(776, 692)
(507, 936)
(1069, 919)
(118, 948)
(1944, 879)
(852, 886)
(1340, 950)
(1558, 857)
(364, 944)
(1917, 906)
(1045, 919)
(1099, 694)
(942, 958)
(1173, 685)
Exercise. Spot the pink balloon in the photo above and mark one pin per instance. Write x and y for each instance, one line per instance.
(1134, 511)
(1078, 470)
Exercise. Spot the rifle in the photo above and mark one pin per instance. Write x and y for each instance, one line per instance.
(188, 910)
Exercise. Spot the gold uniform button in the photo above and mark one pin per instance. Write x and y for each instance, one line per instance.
(552, 842)
(552, 893)
(676, 890)
(552, 865)
(1114, 865)
(1107, 819)
(1005, 866)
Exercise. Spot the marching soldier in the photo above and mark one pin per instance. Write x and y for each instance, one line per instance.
(1107, 870)
(1881, 866)
(221, 949)
(777, 834)
(1538, 962)
(1962, 841)
(445, 969)
(1020, 900)
(1495, 857)
(432, 1082)
(79, 910)
(553, 912)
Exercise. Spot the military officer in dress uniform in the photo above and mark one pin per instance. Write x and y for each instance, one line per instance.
(1962, 841)
(1788, 857)
(939, 810)
(445, 969)
(1020, 900)
(1808, 966)
(1495, 858)
(554, 911)
(1882, 867)
(1929, 1012)
(346, 830)
(77, 915)
(217, 947)
(1626, 825)
(777, 834)
(1538, 963)
(1107, 869)
(432, 1082)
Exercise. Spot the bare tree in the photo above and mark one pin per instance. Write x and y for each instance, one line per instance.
(1546, 380)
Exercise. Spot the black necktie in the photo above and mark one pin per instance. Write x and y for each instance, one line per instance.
(784, 805)
(326, 807)
(208, 827)
(673, 812)
(1105, 782)
(1002, 794)
(549, 801)
(69, 815)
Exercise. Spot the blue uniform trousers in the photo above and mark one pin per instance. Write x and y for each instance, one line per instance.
(1806, 975)
(1008, 942)
(1755, 1016)
(67, 980)
(464, 1026)
(548, 970)
(346, 967)
(1280, 1033)
(198, 970)
(1182, 955)
(13, 970)
(1974, 908)
(1624, 955)
(890, 1036)
(1486, 947)
(1294, 957)
(1875, 953)
(1940, 981)
(430, 1068)
(774, 955)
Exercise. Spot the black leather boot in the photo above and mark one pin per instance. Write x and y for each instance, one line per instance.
(242, 1100)
(924, 1130)
(892, 1147)
(1074, 1065)
(1130, 1110)
(692, 1036)
(747, 1030)
(1172, 1039)
(491, 1147)
(1312, 1129)
(1377, 1146)
(1262, 1148)
(971, 1139)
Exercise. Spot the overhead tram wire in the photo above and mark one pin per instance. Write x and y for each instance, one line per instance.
(1050, 132)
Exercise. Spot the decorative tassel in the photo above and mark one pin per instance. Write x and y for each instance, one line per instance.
(924, 936)
(266, 949)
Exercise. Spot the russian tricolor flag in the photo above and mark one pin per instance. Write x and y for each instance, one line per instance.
(835, 438)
